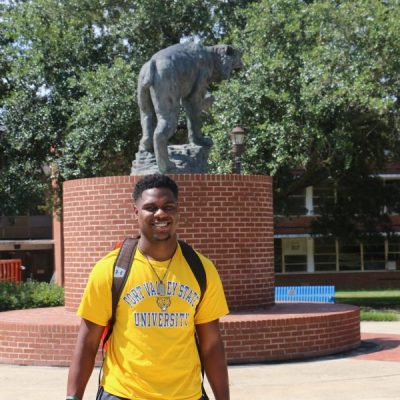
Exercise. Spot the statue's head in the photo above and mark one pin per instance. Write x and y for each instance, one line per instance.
(227, 59)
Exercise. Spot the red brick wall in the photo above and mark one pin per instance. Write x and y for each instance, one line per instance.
(291, 331)
(47, 336)
(226, 217)
(44, 336)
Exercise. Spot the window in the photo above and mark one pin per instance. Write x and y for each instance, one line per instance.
(296, 263)
(393, 197)
(297, 203)
(292, 255)
(325, 254)
(295, 254)
(393, 260)
(349, 256)
(322, 195)
(374, 254)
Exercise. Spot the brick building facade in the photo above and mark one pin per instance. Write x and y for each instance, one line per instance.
(304, 258)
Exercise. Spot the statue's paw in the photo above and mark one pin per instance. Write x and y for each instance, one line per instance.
(167, 166)
(202, 141)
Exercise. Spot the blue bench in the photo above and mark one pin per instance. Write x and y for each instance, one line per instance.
(306, 294)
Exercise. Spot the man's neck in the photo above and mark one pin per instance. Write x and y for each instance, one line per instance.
(159, 251)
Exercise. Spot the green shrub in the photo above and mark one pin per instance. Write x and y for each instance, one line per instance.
(14, 296)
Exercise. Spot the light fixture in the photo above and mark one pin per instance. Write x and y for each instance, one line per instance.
(237, 137)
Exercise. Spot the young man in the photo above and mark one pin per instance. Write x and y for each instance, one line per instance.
(152, 352)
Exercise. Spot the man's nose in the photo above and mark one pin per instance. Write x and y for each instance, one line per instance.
(160, 212)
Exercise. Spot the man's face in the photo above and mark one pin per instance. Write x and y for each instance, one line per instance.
(157, 213)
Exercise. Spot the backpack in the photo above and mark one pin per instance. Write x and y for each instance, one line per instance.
(121, 269)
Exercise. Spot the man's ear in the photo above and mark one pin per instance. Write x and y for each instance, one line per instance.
(135, 211)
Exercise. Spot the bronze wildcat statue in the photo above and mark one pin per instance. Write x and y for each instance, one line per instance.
(179, 74)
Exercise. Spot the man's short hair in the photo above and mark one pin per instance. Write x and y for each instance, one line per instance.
(154, 181)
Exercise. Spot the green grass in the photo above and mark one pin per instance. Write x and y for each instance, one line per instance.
(379, 315)
(376, 305)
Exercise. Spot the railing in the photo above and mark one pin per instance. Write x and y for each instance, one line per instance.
(11, 270)
(317, 294)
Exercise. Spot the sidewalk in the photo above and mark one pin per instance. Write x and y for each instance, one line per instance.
(371, 372)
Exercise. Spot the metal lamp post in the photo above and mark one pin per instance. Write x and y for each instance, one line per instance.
(237, 137)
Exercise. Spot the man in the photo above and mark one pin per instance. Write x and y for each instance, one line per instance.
(152, 352)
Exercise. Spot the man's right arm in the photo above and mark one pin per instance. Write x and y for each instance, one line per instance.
(84, 357)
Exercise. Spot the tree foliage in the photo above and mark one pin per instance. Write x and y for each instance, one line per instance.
(72, 67)
(319, 92)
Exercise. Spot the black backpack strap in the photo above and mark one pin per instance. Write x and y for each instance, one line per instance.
(121, 270)
(199, 272)
(196, 266)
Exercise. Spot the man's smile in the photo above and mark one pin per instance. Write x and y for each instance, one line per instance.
(161, 225)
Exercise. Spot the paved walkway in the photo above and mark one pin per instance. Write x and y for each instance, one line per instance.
(371, 372)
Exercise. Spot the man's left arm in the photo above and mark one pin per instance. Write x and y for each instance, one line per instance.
(212, 354)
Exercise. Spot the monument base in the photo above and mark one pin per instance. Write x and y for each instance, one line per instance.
(292, 331)
(226, 217)
(188, 159)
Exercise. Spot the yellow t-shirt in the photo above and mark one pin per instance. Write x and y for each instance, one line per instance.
(152, 353)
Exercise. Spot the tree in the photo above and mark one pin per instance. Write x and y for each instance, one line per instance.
(73, 66)
(4, 62)
(319, 93)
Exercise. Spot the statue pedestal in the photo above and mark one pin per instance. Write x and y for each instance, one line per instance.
(226, 217)
(188, 159)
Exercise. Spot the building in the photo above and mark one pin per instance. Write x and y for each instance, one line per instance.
(304, 258)
(29, 238)
(301, 258)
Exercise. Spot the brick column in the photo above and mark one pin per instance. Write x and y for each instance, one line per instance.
(226, 217)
